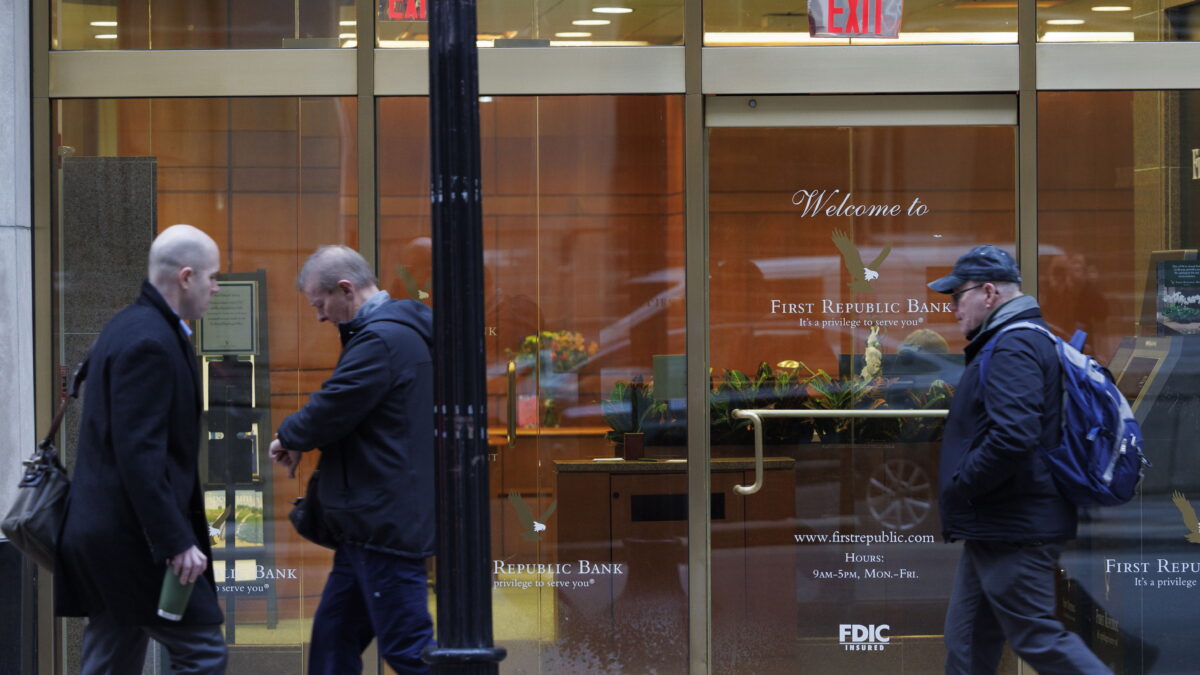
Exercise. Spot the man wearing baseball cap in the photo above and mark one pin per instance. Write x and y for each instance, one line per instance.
(996, 494)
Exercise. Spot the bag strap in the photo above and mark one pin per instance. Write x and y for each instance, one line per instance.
(72, 393)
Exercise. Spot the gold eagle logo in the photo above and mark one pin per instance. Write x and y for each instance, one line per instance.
(862, 278)
(533, 528)
(1189, 516)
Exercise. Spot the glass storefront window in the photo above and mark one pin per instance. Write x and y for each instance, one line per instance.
(269, 179)
(1118, 198)
(583, 234)
(544, 23)
(777, 22)
(822, 242)
(203, 24)
(1118, 21)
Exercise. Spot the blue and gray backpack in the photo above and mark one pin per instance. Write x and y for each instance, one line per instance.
(1099, 461)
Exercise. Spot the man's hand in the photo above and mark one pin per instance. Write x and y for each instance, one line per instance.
(288, 458)
(189, 565)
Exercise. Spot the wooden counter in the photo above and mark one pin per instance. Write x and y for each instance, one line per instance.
(629, 520)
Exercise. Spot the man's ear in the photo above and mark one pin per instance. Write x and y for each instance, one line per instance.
(992, 292)
(185, 276)
(346, 287)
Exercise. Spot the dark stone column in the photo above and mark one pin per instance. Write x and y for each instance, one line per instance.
(464, 589)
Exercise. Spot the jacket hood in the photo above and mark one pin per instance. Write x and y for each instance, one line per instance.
(1019, 308)
(411, 313)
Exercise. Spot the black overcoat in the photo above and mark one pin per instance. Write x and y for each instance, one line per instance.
(135, 497)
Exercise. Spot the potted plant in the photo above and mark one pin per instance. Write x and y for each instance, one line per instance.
(782, 388)
(626, 410)
(849, 393)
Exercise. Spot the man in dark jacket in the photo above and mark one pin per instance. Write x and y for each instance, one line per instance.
(997, 495)
(373, 422)
(135, 505)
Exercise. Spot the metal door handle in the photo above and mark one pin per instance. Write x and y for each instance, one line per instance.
(756, 417)
(511, 436)
(752, 415)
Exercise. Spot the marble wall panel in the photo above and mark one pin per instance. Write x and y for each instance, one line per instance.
(108, 222)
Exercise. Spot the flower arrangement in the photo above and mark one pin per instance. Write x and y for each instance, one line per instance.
(561, 351)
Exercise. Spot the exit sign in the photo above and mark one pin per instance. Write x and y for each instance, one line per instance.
(403, 10)
(855, 18)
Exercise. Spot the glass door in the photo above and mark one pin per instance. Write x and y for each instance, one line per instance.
(822, 238)
(583, 298)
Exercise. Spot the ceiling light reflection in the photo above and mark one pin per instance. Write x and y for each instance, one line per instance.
(1087, 36)
(801, 38)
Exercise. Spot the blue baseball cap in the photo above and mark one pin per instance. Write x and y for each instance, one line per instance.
(982, 263)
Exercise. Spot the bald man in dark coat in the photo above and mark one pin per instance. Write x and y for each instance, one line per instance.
(136, 507)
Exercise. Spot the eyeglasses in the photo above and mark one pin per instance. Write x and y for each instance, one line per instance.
(955, 297)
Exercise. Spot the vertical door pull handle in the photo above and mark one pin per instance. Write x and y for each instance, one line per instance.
(511, 436)
(745, 490)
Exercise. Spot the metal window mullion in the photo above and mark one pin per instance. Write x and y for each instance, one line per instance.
(1027, 168)
(368, 230)
(700, 654)
(51, 651)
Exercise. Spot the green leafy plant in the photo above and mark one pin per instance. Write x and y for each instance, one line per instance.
(849, 393)
(790, 385)
(732, 391)
(788, 391)
(628, 407)
(926, 429)
(781, 388)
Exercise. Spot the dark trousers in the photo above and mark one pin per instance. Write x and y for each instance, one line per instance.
(1005, 591)
(371, 594)
(111, 647)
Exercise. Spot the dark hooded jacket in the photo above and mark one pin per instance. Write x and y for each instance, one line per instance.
(994, 484)
(373, 422)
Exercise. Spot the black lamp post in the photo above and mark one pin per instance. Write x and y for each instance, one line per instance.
(464, 586)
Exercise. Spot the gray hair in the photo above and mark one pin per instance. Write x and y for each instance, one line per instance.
(177, 247)
(1007, 289)
(330, 264)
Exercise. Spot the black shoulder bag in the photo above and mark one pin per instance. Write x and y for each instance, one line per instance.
(34, 521)
(306, 516)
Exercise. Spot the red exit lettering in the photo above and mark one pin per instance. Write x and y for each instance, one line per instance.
(858, 15)
(406, 10)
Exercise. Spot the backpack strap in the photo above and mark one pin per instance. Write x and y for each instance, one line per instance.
(985, 354)
(1077, 340)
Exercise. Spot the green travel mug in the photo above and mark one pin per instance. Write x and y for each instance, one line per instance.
(174, 596)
